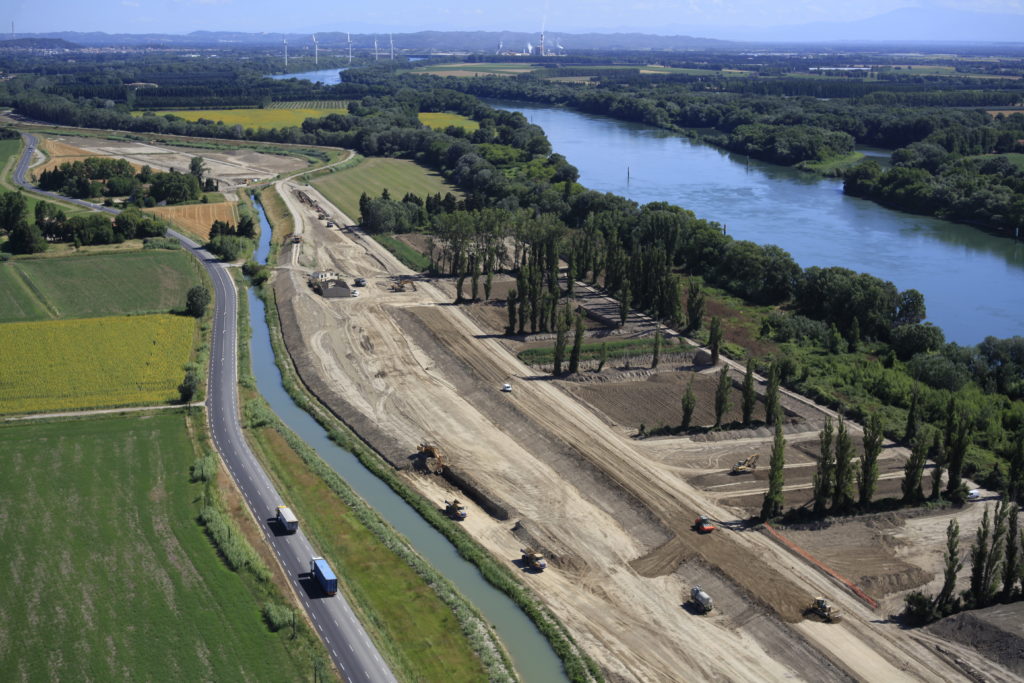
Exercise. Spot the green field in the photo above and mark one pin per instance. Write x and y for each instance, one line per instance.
(9, 150)
(149, 281)
(58, 365)
(253, 118)
(441, 120)
(107, 575)
(374, 175)
(17, 300)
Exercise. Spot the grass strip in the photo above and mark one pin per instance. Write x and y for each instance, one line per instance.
(403, 252)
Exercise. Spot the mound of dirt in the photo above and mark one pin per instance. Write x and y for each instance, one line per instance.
(996, 632)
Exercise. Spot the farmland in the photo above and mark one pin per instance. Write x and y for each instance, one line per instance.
(17, 300)
(443, 119)
(374, 175)
(336, 106)
(111, 578)
(254, 118)
(93, 362)
(150, 281)
(197, 218)
(475, 69)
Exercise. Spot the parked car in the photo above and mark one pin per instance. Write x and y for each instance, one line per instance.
(974, 494)
(506, 387)
(360, 282)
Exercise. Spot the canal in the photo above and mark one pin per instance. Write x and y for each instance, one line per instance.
(531, 653)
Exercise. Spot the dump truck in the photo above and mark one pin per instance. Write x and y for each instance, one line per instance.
(826, 610)
(296, 239)
(287, 519)
(745, 466)
(455, 509)
(534, 560)
(703, 525)
(433, 458)
(701, 600)
(323, 574)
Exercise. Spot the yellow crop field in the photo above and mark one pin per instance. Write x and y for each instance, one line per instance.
(197, 218)
(254, 118)
(93, 363)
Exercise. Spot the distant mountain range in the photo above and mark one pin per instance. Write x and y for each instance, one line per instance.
(909, 25)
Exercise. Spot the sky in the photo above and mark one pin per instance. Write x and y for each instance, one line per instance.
(576, 16)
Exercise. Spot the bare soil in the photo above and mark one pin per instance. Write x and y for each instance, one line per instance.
(612, 513)
(231, 167)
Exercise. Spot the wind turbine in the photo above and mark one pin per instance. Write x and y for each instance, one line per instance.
(348, 37)
(391, 40)
(376, 56)
(286, 53)
(316, 55)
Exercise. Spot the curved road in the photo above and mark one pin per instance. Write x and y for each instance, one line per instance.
(350, 648)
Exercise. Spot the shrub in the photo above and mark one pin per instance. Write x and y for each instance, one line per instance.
(277, 616)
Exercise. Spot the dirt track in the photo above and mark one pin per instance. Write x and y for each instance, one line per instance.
(613, 514)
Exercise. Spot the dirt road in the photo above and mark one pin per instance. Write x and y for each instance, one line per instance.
(613, 518)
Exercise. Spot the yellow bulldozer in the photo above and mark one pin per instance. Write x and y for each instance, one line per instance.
(433, 458)
(826, 610)
(746, 466)
(398, 286)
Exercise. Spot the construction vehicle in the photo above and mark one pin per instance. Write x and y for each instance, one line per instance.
(745, 466)
(534, 560)
(286, 519)
(323, 574)
(701, 600)
(826, 610)
(433, 458)
(455, 509)
(703, 525)
(398, 286)
(296, 239)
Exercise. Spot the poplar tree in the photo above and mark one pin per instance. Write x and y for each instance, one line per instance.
(560, 342)
(625, 301)
(772, 506)
(511, 303)
(715, 339)
(867, 476)
(979, 559)
(912, 472)
(689, 403)
(694, 306)
(1012, 564)
(961, 440)
(954, 563)
(841, 496)
(657, 350)
(771, 395)
(910, 430)
(749, 395)
(824, 477)
(577, 345)
(603, 356)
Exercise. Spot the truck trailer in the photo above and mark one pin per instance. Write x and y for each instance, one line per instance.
(287, 519)
(321, 571)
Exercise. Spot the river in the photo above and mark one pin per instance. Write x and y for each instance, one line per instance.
(973, 282)
(325, 76)
(531, 653)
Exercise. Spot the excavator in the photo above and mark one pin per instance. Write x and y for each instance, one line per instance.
(455, 509)
(433, 458)
(826, 610)
(746, 466)
(534, 560)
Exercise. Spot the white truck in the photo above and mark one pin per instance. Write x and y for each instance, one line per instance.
(287, 519)
(701, 600)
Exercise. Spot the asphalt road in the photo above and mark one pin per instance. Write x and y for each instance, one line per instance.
(350, 648)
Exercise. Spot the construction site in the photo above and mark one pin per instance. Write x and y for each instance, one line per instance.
(552, 476)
